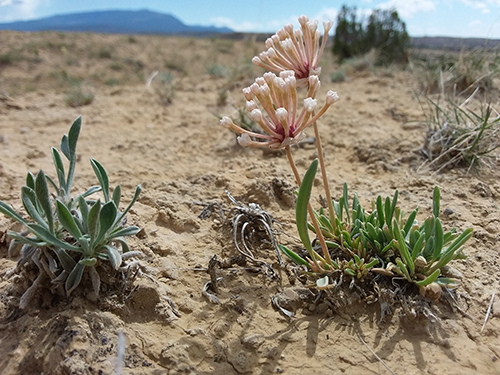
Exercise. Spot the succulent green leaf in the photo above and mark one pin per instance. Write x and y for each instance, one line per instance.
(417, 248)
(43, 196)
(345, 197)
(449, 253)
(410, 221)
(26, 240)
(387, 212)
(114, 257)
(350, 272)
(429, 279)
(124, 244)
(436, 201)
(380, 212)
(372, 263)
(393, 207)
(438, 239)
(403, 249)
(402, 268)
(446, 282)
(102, 176)
(74, 278)
(302, 205)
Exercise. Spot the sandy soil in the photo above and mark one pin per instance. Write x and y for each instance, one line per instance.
(181, 155)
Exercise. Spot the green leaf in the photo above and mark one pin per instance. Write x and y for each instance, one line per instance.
(403, 249)
(302, 206)
(50, 238)
(393, 206)
(124, 232)
(67, 262)
(429, 279)
(124, 244)
(74, 278)
(90, 191)
(372, 263)
(61, 175)
(28, 197)
(84, 210)
(88, 262)
(27, 240)
(67, 220)
(102, 176)
(410, 221)
(30, 180)
(380, 212)
(117, 194)
(43, 196)
(387, 212)
(93, 220)
(445, 282)
(449, 253)
(74, 133)
(138, 190)
(106, 219)
(65, 147)
(114, 257)
(417, 248)
(435, 201)
(404, 271)
(346, 201)
(438, 239)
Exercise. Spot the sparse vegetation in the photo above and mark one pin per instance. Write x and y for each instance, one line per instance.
(459, 136)
(79, 95)
(67, 235)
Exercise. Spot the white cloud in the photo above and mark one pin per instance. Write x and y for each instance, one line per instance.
(407, 8)
(235, 25)
(19, 9)
(481, 5)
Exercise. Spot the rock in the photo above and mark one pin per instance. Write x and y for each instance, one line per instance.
(253, 341)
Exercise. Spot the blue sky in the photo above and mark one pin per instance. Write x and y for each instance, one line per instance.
(460, 18)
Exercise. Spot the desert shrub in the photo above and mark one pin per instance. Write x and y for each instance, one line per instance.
(384, 31)
(67, 236)
(217, 71)
(461, 136)
(10, 58)
(111, 82)
(163, 84)
(338, 76)
(79, 95)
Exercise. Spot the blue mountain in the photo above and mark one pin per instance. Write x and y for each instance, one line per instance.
(114, 22)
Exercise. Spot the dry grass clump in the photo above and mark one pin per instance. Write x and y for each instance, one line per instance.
(461, 135)
(460, 74)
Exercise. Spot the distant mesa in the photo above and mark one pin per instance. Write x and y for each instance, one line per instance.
(114, 22)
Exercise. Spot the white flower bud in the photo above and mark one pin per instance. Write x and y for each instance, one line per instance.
(244, 140)
(264, 90)
(256, 115)
(331, 97)
(303, 20)
(260, 81)
(288, 28)
(251, 105)
(282, 34)
(269, 43)
(310, 104)
(327, 25)
(287, 44)
(312, 26)
(256, 60)
(282, 114)
(247, 93)
(226, 122)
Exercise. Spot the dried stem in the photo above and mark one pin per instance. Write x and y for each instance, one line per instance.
(489, 311)
(376, 356)
(310, 210)
(329, 201)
